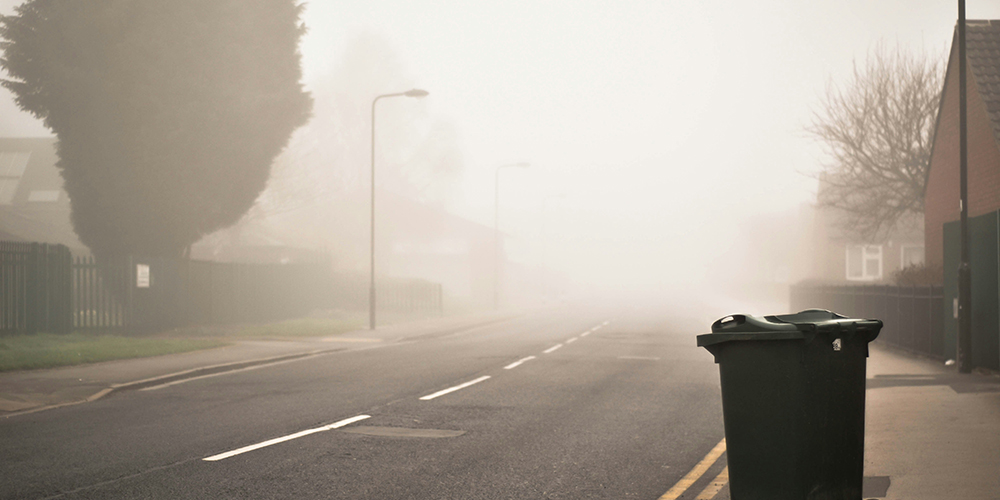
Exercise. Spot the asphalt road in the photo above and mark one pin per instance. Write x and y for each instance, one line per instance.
(623, 411)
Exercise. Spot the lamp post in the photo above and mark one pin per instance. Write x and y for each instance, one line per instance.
(371, 295)
(545, 288)
(496, 231)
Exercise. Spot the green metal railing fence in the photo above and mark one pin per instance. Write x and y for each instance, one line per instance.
(34, 287)
(95, 305)
(396, 295)
(913, 315)
(43, 288)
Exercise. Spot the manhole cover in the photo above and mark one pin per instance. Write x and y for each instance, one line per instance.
(402, 432)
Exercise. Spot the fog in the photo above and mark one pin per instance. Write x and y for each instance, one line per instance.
(665, 139)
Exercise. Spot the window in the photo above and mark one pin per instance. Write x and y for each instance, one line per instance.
(864, 262)
(911, 255)
(13, 164)
(12, 167)
(7, 189)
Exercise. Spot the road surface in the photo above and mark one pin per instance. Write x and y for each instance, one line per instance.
(568, 404)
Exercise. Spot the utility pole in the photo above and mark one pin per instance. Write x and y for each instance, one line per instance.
(964, 348)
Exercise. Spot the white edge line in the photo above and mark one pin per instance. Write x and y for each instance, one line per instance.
(453, 389)
(570, 341)
(269, 442)
(518, 363)
(552, 348)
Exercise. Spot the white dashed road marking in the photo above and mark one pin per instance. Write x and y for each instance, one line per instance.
(453, 389)
(269, 442)
(518, 363)
(552, 348)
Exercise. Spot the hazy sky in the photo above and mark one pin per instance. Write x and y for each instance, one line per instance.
(666, 124)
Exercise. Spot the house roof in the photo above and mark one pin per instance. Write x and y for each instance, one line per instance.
(29, 165)
(33, 205)
(982, 46)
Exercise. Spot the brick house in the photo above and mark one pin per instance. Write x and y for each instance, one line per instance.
(941, 202)
(942, 210)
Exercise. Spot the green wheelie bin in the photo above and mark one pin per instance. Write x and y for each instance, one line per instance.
(793, 403)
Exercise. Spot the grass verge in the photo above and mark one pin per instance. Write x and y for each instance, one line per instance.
(289, 329)
(46, 350)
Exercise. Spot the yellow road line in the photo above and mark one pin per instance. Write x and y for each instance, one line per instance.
(715, 486)
(696, 472)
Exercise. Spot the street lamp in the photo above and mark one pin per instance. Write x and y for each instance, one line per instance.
(418, 93)
(545, 291)
(496, 232)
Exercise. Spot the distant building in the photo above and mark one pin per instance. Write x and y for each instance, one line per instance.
(418, 240)
(983, 104)
(412, 240)
(840, 257)
(33, 205)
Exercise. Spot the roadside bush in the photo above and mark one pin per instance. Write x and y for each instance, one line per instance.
(918, 275)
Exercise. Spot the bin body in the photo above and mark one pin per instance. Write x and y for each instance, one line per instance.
(793, 404)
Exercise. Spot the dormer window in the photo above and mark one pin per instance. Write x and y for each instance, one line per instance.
(12, 165)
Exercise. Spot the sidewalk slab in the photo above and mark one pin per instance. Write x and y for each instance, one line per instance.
(32, 390)
(933, 432)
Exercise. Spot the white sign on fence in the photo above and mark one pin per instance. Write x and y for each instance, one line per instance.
(142, 275)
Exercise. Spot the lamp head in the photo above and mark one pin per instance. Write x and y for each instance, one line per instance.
(418, 93)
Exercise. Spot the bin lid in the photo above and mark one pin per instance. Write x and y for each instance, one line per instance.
(787, 327)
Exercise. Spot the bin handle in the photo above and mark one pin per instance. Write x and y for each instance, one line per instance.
(729, 322)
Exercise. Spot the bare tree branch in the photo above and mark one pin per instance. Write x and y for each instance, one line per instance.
(877, 132)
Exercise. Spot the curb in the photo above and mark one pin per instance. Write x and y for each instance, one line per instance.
(182, 375)
(212, 369)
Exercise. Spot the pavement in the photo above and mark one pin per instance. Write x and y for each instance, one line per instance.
(31, 391)
(930, 432)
